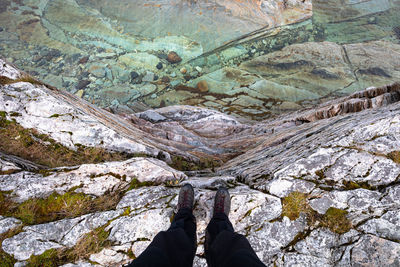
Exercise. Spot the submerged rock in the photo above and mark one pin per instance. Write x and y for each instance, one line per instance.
(202, 86)
(173, 57)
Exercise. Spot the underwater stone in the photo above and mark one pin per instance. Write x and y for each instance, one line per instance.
(82, 84)
(97, 71)
(165, 79)
(134, 75)
(173, 57)
(149, 77)
(202, 86)
(151, 115)
(159, 66)
(84, 60)
(140, 60)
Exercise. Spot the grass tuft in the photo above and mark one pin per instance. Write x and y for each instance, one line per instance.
(56, 207)
(182, 164)
(294, 204)
(25, 78)
(135, 183)
(395, 156)
(91, 243)
(49, 258)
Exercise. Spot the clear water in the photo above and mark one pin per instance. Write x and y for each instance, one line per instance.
(113, 53)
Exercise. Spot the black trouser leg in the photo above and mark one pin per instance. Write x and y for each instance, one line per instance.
(226, 248)
(174, 247)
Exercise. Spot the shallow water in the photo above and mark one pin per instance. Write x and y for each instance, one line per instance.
(114, 53)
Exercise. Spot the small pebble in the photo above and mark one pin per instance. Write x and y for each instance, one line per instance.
(202, 86)
(84, 60)
(1, 29)
(187, 77)
(199, 69)
(115, 102)
(82, 84)
(183, 70)
(159, 66)
(134, 75)
(149, 77)
(165, 79)
(173, 57)
(79, 93)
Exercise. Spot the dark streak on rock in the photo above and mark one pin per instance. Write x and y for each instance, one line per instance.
(325, 74)
(283, 65)
(28, 22)
(396, 31)
(374, 71)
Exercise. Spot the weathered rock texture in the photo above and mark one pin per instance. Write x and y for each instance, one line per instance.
(343, 155)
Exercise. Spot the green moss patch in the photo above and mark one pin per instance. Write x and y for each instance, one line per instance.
(182, 164)
(56, 207)
(294, 204)
(135, 183)
(49, 258)
(334, 219)
(351, 185)
(41, 149)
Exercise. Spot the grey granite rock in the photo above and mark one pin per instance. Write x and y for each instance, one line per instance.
(92, 179)
(372, 250)
(8, 167)
(36, 239)
(107, 257)
(7, 223)
(80, 264)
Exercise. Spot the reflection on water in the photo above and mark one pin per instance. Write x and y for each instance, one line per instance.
(234, 56)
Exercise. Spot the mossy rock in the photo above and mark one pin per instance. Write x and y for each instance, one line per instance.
(336, 220)
(43, 150)
(294, 204)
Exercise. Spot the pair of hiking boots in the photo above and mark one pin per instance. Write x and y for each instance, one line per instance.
(222, 201)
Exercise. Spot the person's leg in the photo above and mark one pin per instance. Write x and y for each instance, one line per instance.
(224, 247)
(177, 245)
(185, 220)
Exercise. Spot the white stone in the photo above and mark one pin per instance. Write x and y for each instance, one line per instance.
(108, 257)
(6, 166)
(7, 223)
